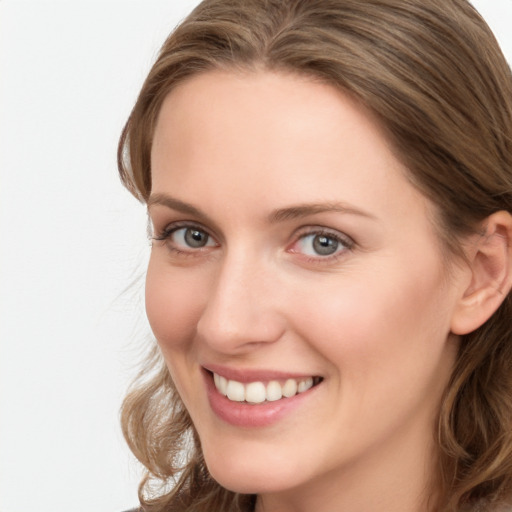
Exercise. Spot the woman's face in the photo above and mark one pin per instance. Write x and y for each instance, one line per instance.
(295, 267)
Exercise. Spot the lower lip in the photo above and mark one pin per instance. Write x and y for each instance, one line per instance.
(242, 414)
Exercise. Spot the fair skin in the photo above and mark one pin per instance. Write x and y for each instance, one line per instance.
(289, 244)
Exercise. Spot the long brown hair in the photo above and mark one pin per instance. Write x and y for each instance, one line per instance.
(432, 73)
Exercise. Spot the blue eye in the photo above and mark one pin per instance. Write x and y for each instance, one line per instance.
(182, 239)
(320, 244)
(191, 237)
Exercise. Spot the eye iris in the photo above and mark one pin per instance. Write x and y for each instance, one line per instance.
(325, 245)
(195, 238)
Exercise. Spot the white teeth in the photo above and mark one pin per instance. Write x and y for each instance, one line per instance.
(290, 388)
(235, 391)
(221, 383)
(304, 385)
(257, 392)
(274, 391)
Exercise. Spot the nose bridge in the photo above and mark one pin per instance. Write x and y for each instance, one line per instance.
(240, 310)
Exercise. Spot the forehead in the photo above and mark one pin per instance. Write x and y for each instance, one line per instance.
(265, 100)
(223, 133)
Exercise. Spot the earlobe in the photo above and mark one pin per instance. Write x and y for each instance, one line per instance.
(490, 261)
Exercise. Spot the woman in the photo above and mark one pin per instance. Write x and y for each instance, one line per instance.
(329, 186)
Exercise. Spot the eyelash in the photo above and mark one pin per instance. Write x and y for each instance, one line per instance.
(346, 243)
(167, 233)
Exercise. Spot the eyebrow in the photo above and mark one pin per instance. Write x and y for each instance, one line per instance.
(278, 215)
(305, 210)
(175, 204)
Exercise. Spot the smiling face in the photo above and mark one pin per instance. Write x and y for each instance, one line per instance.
(296, 268)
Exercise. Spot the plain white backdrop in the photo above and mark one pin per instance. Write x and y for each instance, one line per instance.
(73, 244)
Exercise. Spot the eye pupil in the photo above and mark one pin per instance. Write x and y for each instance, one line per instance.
(325, 245)
(195, 238)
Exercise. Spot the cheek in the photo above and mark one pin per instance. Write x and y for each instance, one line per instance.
(173, 304)
(387, 350)
(396, 326)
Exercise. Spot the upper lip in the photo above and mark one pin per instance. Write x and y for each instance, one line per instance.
(245, 375)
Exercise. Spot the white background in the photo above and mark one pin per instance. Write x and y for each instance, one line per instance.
(73, 244)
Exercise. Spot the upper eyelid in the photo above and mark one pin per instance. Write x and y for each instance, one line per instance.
(160, 205)
(175, 226)
(335, 233)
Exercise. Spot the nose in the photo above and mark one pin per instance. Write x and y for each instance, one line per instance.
(244, 308)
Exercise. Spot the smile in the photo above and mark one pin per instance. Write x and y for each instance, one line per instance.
(258, 392)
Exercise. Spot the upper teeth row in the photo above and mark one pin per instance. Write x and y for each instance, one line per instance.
(258, 392)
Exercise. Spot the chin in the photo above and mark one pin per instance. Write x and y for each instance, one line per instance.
(246, 477)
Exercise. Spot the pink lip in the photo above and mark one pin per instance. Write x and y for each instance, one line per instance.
(251, 375)
(242, 414)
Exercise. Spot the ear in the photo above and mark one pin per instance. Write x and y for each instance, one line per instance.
(490, 265)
